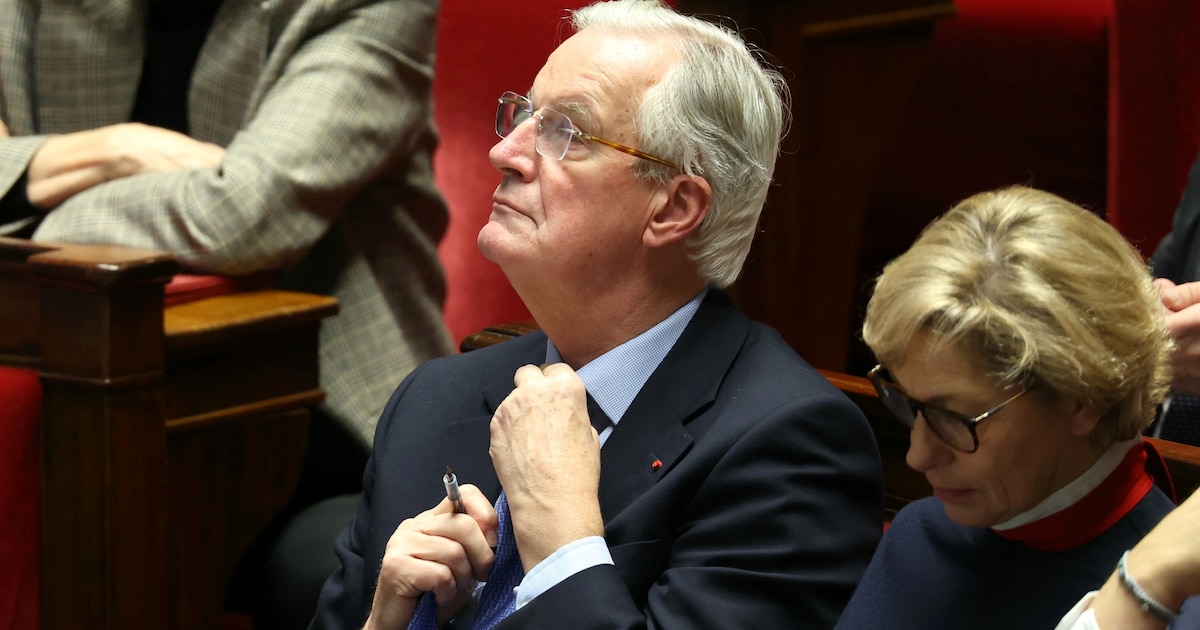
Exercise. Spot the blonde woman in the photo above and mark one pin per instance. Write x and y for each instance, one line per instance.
(1022, 341)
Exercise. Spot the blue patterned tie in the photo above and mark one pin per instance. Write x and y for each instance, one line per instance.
(425, 615)
(497, 599)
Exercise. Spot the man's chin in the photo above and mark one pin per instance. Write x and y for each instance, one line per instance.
(495, 243)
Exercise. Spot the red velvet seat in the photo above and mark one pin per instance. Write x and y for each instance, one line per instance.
(20, 475)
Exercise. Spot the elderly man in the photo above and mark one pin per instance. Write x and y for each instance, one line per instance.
(670, 464)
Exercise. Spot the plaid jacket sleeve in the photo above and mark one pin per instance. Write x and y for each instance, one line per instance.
(321, 106)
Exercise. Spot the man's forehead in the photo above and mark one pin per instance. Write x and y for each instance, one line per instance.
(593, 77)
(579, 107)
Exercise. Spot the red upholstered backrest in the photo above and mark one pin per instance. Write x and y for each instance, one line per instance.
(483, 49)
(1154, 113)
(20, 488)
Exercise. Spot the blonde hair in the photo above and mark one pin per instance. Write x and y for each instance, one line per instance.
(718, 113)
(1039, 292)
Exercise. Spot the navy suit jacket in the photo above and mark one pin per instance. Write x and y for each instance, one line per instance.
(1178, 254)
(764, 513)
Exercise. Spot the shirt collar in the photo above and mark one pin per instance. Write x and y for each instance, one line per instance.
(614, 378)
(1071, 493)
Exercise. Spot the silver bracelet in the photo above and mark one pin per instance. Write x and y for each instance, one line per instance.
(1145, 602)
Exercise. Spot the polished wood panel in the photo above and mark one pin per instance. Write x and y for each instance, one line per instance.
(241, 373)
(851, 66)
(169, 437)
(90, 321)
(227, 480)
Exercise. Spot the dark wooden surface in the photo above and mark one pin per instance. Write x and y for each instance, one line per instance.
(241, 374)
(90, 321)
(901, 484)
(851, 66)
(169, 437)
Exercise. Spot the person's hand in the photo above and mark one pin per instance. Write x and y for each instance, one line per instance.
(1182, 310)
(437, 551)
(1166, 564)
(72, 163)
(1167, 561)
(547, 456)
(4, 130)
(139, 149)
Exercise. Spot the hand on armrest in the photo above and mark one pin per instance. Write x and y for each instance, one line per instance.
(72, 163)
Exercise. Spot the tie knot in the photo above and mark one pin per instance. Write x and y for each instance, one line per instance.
(600, 420)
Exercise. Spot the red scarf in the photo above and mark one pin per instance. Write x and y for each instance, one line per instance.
(1099, 509)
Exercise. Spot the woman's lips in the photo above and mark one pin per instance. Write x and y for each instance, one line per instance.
(950, 495)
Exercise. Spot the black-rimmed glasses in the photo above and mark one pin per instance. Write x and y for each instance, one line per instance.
(953, 428)
(555, 131)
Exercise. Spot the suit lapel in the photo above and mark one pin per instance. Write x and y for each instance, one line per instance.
(653, 437)
(472, 436)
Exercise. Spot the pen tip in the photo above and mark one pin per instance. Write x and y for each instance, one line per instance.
(448, 471)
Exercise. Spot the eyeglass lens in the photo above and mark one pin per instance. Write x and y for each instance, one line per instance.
(554, 129)
(948, 428)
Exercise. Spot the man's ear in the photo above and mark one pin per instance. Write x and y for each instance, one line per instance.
(688, 198)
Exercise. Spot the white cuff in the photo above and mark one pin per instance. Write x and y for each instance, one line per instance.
(1081, 617)
(566, 561)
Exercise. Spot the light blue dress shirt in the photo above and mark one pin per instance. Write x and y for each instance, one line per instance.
(613, 380)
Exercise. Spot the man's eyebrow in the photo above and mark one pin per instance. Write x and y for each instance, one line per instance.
(579, 113)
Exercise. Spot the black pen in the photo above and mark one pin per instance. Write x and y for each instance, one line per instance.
(451, 483)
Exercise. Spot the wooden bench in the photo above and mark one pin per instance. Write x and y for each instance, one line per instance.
(902, 485)
(169, 437)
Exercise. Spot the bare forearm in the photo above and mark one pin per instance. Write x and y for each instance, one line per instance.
(1161, 578)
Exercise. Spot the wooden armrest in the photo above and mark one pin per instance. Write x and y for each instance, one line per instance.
(493, 335)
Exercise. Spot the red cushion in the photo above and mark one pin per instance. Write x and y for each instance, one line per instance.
(185, 288)
(20, 487)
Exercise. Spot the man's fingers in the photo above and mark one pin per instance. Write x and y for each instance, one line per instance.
(3, 130)
(559, 370)
(1178, 297)
(452, 540)
(479, 507)
(1184, 326)
(527, 374)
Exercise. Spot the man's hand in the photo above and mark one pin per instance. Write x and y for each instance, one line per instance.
(72, 163)
(547, 456)
(1182, 304)
(436, 551)
(3, 130)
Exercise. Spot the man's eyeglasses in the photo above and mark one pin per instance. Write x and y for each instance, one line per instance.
(555, 131)
(952, 428)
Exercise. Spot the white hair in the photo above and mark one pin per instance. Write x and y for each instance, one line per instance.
(719, 113)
